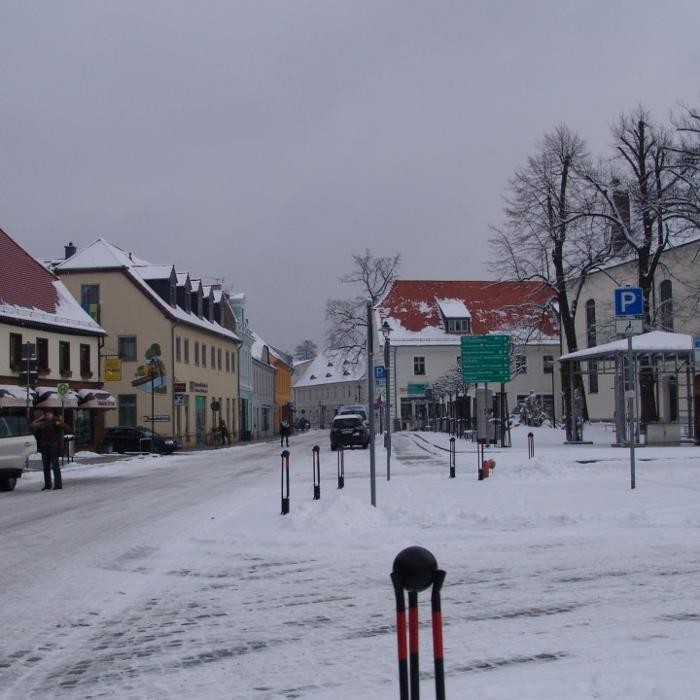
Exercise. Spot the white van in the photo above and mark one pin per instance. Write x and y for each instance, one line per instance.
(16, 445)
(357, 408)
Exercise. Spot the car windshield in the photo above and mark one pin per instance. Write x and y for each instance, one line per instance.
(349, 422)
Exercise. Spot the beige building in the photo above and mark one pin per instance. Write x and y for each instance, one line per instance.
(674, 306)
(171, 355)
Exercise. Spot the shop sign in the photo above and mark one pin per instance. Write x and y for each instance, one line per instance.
(199, 387)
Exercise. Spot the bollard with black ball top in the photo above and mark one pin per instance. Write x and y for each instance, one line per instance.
(414, 570)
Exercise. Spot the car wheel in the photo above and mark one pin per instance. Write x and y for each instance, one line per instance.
(8, 483)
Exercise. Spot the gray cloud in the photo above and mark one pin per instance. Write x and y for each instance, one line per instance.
(265, 142)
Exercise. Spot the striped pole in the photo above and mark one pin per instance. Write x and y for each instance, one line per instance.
(401, 637)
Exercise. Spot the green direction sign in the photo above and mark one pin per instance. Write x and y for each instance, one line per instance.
(485, 358)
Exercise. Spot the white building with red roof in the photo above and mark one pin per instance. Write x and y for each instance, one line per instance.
(38, 312)
(428, 319)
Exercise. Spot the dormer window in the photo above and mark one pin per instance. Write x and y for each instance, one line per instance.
(173, 294)
(458, 325)
(330, 364)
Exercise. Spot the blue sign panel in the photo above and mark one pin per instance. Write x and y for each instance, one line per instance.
(380, 372)
(629, 301)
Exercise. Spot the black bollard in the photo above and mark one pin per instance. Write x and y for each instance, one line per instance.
(530, 445)
(480, 457)
(285, 471)
(316, 453)
(414, 570)
(452, 458)
(341, 467)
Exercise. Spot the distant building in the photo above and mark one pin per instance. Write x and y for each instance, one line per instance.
(428, 319)
(326, 382)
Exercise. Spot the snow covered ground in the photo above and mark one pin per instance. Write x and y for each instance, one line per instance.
(177, 577)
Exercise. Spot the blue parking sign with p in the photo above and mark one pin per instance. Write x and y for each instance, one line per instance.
(629, 301)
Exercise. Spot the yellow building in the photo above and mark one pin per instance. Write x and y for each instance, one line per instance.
(171, 355)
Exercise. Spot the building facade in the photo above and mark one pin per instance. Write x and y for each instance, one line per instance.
(172, 350)
(39, 315)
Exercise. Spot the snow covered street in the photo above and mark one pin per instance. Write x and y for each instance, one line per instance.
(177, 577)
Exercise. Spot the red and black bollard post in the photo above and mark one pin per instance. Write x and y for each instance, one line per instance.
(530, 445)
(341, 467)
(285, 481)
(452, 458)
(316, 452)
(415, 568)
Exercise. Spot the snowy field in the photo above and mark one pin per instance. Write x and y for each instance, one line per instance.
(177, 577)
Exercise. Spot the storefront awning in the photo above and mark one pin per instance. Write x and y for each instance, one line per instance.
(48, 397)
(96, 398)
(12, 396)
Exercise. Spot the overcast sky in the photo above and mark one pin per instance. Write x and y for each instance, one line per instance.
(266, 142)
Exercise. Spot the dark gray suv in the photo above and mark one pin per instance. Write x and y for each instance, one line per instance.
(349, 430)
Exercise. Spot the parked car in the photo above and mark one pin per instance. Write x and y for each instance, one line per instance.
(16, 445)
(348, 430)
(124, 438)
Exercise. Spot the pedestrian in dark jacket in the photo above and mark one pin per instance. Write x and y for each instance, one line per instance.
(48, 430)
(284, 432)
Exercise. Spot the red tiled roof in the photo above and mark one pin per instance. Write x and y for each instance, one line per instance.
(493, 306)
(24, 281)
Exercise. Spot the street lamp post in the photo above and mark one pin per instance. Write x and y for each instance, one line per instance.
(386, 330)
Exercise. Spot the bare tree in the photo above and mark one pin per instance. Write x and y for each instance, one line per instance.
(548, 234)
(347, 318)
(306, 350)
(640, 190)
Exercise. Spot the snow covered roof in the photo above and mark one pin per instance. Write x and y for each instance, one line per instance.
(31, 293)
(102, 255)
(453, 308)
(659, 342)
(331, 368)
(416, 310)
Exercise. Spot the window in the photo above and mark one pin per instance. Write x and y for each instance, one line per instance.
(547, 364)
(228, 364)
(127, 409)
(458, 325)
(591, 341)
(178, 349)
(173, 294)
(218, 358)
(127, 347)
(666, 305)
(90, 300)
(42, 355)
(187, 351)
(419, 365)
(213, 357)
(521, 364)
(15, 351)
(196, 352)
(204, 355)
(233, 361)
(590, 324)
(64, 358)
(85, 370)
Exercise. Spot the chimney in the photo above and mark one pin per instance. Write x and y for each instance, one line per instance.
(70, 250)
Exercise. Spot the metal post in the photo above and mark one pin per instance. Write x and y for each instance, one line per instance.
(387, 362)
(414, 666)
(370, 402)
(285, 472)
(631, 392)
(153, 405)
(438, 654)
(341, 467)
(316, 452)
(480, 458)
(530, 445)
(452, 458)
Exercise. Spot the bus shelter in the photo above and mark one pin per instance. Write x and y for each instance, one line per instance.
(670, 356)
